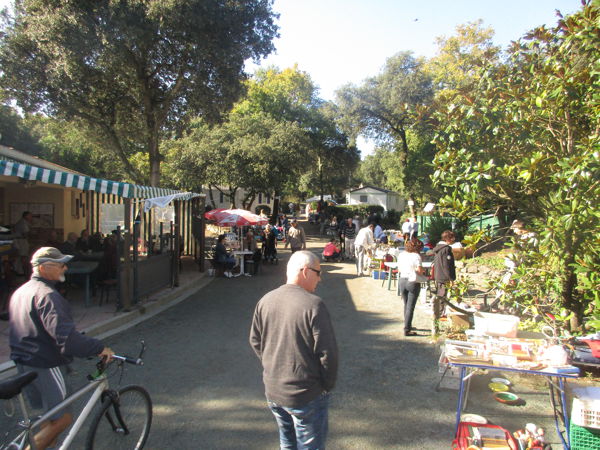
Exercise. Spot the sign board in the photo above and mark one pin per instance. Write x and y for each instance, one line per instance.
(429, 207)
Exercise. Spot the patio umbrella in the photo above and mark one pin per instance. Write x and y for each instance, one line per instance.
(237, 217)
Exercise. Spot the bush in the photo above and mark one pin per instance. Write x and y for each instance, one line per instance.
(438, 224)
(265, 208)
(392, 219)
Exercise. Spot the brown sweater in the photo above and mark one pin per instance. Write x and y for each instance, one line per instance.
(294, 339)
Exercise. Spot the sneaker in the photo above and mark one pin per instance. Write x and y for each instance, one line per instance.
(228, 274)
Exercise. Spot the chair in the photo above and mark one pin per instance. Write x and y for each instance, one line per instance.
(393, 272)
(218, 267)
(105, 287)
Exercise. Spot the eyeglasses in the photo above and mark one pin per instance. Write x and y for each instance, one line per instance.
(318, 272)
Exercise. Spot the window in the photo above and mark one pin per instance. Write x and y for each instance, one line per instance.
(221, 197)
(363, 198)
(268, 198)
(259, 197)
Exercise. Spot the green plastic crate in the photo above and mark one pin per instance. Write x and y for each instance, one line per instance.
(584, 438)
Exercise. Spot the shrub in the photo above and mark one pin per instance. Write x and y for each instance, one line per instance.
(392, 219)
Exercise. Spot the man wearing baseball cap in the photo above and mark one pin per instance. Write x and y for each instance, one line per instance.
(43, 339)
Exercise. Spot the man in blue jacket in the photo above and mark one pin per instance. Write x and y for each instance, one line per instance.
(43, 339)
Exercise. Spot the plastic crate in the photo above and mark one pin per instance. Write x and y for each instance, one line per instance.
(585, 411)
(584, 438)
(379, 275)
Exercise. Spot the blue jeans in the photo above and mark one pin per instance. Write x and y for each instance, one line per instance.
(409, 290)
(303, 428)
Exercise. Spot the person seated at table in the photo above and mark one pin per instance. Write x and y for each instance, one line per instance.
(83, 243)
(331, 251)
(222, 257)
(52, 240)
(69, 247)
(96, 242)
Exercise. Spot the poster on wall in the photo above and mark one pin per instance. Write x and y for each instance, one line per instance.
(43, 213)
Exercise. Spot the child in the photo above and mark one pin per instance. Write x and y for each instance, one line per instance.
(331, 251)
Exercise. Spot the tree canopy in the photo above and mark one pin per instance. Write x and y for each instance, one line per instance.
(525, 140)
(133, 71)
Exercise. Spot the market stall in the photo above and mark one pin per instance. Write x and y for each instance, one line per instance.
(494, 346)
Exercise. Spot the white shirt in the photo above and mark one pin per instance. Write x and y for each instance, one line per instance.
(408, 264)
(455, 245)
(364, 237)
(406, 228)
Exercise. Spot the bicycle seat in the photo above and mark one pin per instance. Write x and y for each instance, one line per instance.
(13, 385)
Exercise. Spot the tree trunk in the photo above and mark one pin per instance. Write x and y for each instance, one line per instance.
(275, 211)
(210, 196)
(404, 154)
(232, 192)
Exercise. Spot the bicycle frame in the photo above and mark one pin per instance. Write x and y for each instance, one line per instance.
(98, 385)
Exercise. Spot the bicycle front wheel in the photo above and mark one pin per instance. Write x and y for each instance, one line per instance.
(122, 423)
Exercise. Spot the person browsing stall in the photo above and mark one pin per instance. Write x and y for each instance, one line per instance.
(331, 251)
(296, 238)
(43, 339)
(409, 270)
(293, 337)
(364, 241)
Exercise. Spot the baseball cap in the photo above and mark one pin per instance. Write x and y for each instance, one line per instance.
(49, 254)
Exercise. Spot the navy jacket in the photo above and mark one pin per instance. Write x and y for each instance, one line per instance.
(42, 332)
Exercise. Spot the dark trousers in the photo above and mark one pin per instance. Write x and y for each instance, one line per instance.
(410, 293)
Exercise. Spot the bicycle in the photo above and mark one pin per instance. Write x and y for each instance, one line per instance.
(122, 420)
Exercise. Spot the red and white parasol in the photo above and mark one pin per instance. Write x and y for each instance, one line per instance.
(237, 217)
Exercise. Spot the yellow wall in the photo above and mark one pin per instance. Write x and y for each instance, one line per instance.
(60, 197)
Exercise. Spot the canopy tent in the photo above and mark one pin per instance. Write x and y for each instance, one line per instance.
(85, 183)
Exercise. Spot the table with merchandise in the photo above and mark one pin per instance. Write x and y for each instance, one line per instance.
(537, 357)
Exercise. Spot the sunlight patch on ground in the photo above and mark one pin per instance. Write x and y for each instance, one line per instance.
(163, 410)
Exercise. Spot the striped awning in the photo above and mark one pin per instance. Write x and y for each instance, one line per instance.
(85, 183)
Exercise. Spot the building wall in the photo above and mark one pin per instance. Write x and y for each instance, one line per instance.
(388, 200)
(13, 196)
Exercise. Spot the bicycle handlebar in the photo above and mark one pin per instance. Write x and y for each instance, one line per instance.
(129, 359)
(102, 365)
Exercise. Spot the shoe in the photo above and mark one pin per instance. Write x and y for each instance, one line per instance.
(228, 274)
(410, 333)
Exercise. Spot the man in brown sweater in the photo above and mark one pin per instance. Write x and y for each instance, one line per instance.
(293, 337)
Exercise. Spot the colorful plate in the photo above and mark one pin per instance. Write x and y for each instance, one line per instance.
(508, 398)
(473, 418)
(501, 380)
(498, 387)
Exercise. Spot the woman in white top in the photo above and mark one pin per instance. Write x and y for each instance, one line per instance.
(409, 266)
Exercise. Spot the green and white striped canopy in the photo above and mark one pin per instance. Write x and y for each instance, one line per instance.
(85, 183)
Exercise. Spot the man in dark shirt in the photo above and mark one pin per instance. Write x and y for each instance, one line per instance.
(293, 337)
(444, 273)
(43, 339)
(349, 235)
